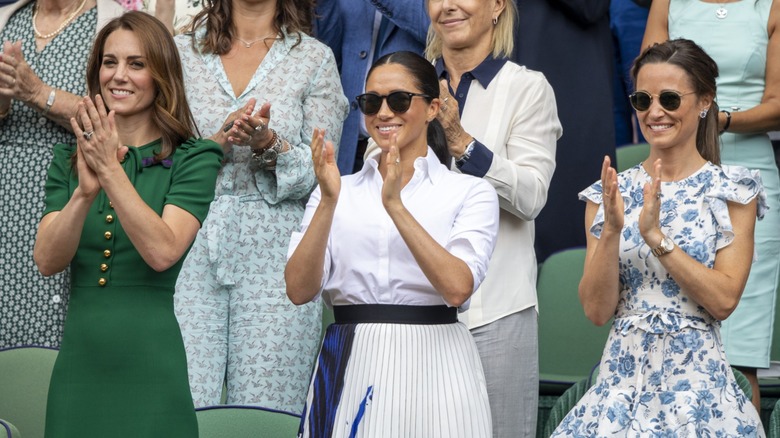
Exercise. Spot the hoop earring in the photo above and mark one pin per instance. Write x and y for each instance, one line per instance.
(703, 113)
(495, 21)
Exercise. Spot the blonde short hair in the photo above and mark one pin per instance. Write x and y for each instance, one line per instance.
(503, 35)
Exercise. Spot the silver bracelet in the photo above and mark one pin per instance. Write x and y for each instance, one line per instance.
(50, 101)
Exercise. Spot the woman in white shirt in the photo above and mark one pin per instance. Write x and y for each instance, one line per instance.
(395, 248)
(502, 125)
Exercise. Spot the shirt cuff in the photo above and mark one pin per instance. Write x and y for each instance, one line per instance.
(479, 162)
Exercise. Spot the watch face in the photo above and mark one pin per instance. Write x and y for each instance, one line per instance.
(667, 244)
(269, 155)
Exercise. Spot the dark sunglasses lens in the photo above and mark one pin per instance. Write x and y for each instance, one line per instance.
(399, 101)
(669, 100)
(640, 100)
(369, 103)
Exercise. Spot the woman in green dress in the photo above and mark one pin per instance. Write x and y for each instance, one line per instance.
(123, 206)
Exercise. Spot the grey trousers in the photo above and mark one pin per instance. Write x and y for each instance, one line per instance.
(509, 349)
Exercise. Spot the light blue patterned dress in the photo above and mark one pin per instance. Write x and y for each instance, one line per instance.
(663, 371)
(738, 43)
(235, 317)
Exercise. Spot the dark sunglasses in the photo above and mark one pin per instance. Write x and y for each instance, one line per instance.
(669, 100)
(398, 101)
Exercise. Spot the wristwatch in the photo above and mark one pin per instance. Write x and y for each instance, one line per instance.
(267, 156)
(466, 154)
(665, 247)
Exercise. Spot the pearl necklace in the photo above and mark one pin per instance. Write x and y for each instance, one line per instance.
(249, 44)
(62, 26)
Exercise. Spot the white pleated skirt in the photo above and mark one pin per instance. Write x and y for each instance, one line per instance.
(397, 380)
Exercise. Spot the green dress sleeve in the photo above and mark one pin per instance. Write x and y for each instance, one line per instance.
(196, 164)
(59, 178)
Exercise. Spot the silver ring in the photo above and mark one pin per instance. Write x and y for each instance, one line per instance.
(446, 99)
(87, 135)
(260, 127)
(397, 161)
(444, 107)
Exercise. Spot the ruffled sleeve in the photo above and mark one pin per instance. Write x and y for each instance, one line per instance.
(736, 184)
(195, 167)
(58, 180)
(593, 194)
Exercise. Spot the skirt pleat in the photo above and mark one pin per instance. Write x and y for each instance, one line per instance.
(397, 380)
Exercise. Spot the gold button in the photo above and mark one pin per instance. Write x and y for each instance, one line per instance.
(103, 267)
(109, 218)
(110, 204)
(102, 282)
(108, 235)
(107, 253)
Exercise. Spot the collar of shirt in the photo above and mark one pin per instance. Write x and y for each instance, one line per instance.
(428, 166)
(484, 73)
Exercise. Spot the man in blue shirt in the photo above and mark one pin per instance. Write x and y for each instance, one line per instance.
(360, 32)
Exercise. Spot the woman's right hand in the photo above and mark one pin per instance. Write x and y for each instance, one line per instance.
(324, 157)
(89, 185)
(611, 197)
(229, 128)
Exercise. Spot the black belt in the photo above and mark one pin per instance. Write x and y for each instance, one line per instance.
(394, 314)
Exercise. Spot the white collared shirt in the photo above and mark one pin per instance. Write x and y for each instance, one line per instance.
(367, 260)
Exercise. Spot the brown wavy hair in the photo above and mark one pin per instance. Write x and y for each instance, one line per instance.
(702, 72)
(170, 111)
(295, 16)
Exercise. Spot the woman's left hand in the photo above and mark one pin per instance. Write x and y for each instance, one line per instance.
(97, 136)
(449, 117)
(391, 189)
(17, 80)
(649, 217)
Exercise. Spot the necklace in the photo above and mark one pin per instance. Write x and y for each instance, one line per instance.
(721, 12)
(249, 44)
(67, 21)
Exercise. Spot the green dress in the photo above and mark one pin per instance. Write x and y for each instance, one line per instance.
(122, 370)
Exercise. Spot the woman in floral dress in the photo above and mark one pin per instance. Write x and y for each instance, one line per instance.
(670, 243)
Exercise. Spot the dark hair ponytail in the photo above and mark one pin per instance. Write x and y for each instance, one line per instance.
(437, 140)
(425, 77)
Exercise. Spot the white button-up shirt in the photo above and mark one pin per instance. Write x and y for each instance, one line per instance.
(367, 260)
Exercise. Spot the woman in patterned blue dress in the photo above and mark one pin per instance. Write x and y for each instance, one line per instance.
(670, 243)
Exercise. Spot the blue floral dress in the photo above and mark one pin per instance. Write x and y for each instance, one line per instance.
(663, 371)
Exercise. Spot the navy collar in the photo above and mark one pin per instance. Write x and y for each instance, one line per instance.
(484, 72)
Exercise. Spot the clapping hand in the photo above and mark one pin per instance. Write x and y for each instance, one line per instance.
(229, 134)
(612, 199)
(391, 189)
(97, 139)
(17, 80)
(649, 217)
(323, 154)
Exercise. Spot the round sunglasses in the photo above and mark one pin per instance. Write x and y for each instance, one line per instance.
(398, 101)
(669, 100)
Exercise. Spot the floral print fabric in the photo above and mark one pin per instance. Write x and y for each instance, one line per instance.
(663, 371)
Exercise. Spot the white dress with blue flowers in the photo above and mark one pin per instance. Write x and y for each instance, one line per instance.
(663, 371)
